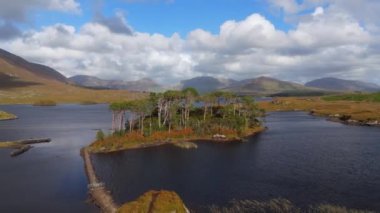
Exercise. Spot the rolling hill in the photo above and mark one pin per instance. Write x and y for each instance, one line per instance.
(25, 82)
(343, 85)
(271, 86)
(36, 69)
(206, 84)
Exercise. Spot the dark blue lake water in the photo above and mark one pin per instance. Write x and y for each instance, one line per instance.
(302, 158)
(49, 177)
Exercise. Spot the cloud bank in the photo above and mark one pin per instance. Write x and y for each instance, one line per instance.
(334, 39)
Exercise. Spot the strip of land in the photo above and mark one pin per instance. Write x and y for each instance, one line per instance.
(6, 116)
(346, 111)
(22, 145)
(97, 190)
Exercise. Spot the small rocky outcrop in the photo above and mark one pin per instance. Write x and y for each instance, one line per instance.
(185, 145)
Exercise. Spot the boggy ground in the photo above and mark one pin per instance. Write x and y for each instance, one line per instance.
(346, 111)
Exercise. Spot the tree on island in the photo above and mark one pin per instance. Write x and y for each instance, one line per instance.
(186, 109)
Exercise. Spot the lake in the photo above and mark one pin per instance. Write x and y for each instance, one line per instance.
(305, 159)
(49, 177)
(301, 158)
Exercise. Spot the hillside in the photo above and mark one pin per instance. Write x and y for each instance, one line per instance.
(271, 86)
(37, 69)
(145, 84)
(206, 84)
(343, 85)
(25, 82)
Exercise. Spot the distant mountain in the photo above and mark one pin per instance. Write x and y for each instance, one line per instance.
(206, 84)
(145, 84)
(37, 69)
(343, 85)
(271, 86)
(25, 82)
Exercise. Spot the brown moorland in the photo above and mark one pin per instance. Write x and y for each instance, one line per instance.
(361, 111)
(21, 86)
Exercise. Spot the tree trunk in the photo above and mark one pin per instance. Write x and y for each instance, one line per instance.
(142, 123)
(113, 121)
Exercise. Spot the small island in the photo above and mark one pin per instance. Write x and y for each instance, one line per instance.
(179, 117)
(7, 116)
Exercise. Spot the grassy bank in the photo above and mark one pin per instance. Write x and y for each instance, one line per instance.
(362, 111)
(6, 116)
(65, 94)
(136, 140)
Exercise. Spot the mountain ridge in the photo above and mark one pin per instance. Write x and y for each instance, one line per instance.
(338, 84)
(144, 84)
(37, 69)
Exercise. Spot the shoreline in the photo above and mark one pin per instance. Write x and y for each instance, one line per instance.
(345, 112)
(178, 142)
(336, 118)
(97, 190)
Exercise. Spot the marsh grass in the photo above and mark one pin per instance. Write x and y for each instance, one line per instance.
(279, 206)
(372, 97)
(357, 110)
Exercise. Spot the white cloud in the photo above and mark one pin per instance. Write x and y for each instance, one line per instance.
(329, 41)
(65, 5)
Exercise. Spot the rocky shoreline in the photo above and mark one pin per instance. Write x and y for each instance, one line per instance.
(346, 119)
(183, 143)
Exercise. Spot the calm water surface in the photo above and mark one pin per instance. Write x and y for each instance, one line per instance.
(302, 158)
(49, 177)
(305, 159)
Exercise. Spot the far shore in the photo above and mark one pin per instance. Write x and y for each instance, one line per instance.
(346, 112)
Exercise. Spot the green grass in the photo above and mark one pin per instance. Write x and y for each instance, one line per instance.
(372, 97)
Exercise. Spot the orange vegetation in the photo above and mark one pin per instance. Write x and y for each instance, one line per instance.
(155, 201)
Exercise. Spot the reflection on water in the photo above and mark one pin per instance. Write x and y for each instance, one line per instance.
(302, 158)
(49, 177)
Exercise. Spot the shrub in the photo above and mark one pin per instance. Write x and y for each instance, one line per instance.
(88, 103)
(100, 135)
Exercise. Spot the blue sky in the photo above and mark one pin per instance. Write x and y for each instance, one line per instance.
(179, 16)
